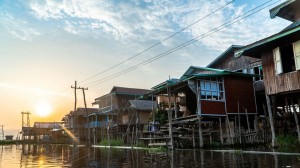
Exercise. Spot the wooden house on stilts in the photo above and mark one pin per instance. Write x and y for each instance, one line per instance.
(208, 105)
(280, 57)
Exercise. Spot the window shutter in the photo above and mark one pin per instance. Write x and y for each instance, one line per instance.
(296, 47)
(277, 61)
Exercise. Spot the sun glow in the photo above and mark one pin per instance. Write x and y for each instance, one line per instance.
(43, 109)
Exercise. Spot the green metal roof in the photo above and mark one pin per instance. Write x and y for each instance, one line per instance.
(189, 75)
(248, 48)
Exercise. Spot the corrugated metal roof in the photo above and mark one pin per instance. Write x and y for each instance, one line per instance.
(231, 49)
(291, 26)
(278, 11)
(124, 90)
(294, 28)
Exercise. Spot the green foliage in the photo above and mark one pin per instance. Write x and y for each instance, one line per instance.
(113, 142)
(286, 140)
(161, 116)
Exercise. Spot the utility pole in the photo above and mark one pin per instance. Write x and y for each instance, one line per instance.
(86, 112)
(73, 116)
(2, 132)
(25, 124)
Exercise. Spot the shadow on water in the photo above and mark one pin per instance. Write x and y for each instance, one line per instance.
(69, 156)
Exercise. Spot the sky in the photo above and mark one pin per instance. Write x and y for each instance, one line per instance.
(46, 45)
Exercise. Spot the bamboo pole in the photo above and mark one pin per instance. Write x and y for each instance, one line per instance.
(271, 121)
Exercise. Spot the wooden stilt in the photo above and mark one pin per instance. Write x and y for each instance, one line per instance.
(221, 132)
(108, 136)
(200, 133)
(271, 121)
(229, 130)
(296, 119)
(194, 143)
(247, 118)
(239, 124)
(255, 124)
(170, 117)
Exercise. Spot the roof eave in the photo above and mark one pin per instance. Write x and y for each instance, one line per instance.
(247, 49)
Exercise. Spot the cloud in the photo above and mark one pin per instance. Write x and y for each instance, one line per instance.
(31, 90)
(154, 20)
(17, 27)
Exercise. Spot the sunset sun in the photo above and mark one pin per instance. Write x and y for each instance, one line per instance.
(43, 109)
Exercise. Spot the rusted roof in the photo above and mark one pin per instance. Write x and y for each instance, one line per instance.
(132, 91)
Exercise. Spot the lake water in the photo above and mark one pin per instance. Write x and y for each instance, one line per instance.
(67, 156)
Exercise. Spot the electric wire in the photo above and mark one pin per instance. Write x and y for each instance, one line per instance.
(227, 24)
(156, 44)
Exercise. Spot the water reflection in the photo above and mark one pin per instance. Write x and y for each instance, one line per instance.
(69, 156)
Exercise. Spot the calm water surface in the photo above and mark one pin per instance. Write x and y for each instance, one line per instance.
(67, 156)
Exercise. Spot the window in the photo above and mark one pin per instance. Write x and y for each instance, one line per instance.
(287, 58)
(296, 47)
(211, 88)
(277, 61)
(257, 71)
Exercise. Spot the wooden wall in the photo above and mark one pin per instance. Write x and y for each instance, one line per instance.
(278, 83)
(212, 107)
(231, 63)
(239, 89)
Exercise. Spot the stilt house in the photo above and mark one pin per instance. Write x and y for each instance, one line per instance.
(280, 56)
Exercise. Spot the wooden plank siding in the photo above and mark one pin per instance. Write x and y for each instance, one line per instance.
(281, 83)
(232, 64)
(212, 107)
(239, 89)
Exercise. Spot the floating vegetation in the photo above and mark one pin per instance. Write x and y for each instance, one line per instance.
(113, 142)
(157, 149)
(7, 142)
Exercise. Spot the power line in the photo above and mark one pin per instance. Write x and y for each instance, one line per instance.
(229, 23)
(156, 44)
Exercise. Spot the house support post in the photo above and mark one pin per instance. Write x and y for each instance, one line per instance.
(194, 143)
(247, 118)
(271, 120)
(239, 123)
(296, 119)
(221, 132)
(200, 132)
(199, 114)
(170, 116)
(228, 130)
